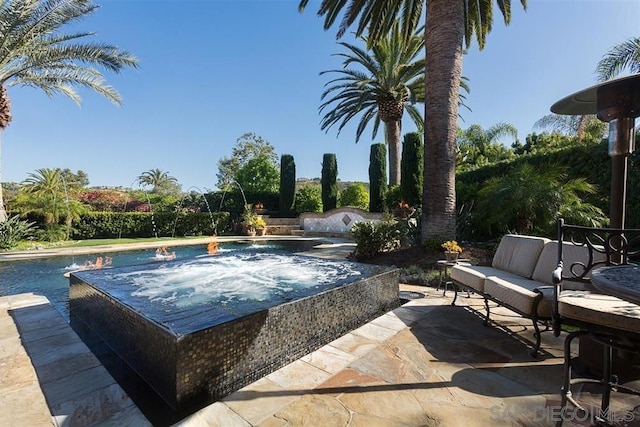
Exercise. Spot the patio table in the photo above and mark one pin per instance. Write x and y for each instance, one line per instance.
(444, 267)
(622, 281)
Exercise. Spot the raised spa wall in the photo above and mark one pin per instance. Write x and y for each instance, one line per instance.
(206, 365)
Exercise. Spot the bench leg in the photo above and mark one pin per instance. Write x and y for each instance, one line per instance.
(486, 306)
(534, 351)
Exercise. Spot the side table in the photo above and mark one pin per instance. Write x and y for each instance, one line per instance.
(444, 267)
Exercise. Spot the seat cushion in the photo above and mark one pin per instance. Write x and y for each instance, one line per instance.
(599, 309)
(519, 294)
(574, 257)
(518, 254)
(473, 275)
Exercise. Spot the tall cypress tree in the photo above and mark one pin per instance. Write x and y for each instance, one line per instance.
(411, 167)
(377, 177)
(287, 183)
(329, 182)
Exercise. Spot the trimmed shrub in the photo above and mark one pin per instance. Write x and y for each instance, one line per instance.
(377, 177)
(411, 166)
(109, 225)
(329, 182)
(287, 183)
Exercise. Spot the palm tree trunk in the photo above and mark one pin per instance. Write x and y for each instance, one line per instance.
(392, 129)
(443, 42)
(3, 212)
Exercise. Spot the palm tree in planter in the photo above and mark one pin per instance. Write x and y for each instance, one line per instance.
(389, 82)
(449, 24)
(35, 52)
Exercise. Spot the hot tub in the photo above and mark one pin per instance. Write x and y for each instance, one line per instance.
(197, 330)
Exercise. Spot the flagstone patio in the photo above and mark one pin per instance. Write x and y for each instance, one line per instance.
(426, 363)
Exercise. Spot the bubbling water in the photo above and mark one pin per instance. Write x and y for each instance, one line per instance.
(230, 280)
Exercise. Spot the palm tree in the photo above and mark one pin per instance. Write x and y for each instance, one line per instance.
(448, 24)
(158, 179)
(477, 146)
(35, 52)
(46, 188)
(583, 127)
(45, 192)
(531, 199)
(391, 83)
(624, 56)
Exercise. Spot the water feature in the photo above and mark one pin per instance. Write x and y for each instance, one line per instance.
(124, 209)
(206, 202)
(66, 197)
(153, 219)
(241, 192)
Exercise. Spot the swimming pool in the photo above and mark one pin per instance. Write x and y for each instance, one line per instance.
(45, 276)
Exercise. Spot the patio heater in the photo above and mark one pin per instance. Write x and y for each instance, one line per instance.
(617, 102)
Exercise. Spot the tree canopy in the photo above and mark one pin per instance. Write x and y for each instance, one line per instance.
(160, 181)
(248, 146)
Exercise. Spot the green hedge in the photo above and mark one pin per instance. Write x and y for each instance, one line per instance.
(109, 225)
(588, 161)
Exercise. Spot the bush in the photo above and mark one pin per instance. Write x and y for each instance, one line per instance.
(392, 198)
(309, 199)
(13, 230)
(355, 195)
(373, 238)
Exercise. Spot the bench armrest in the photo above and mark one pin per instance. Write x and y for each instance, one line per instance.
(556, 276)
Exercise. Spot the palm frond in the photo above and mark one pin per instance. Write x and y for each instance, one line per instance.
(35, 52)
(624, 56)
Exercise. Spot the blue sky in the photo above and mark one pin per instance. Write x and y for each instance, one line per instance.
(212, 70)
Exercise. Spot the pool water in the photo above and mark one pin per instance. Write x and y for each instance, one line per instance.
(45, 276)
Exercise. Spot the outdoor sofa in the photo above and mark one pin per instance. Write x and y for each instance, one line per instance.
(521, 277)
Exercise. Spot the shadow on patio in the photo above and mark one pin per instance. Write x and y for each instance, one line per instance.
(427, 363)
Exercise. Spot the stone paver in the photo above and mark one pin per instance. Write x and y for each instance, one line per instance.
(424, 364)
(49, 376)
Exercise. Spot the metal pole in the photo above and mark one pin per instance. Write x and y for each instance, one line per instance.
(621, 145)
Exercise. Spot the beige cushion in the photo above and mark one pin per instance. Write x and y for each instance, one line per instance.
(473, 275)
(605, 310)
(571, 254)
(518, 254)
(518, 293)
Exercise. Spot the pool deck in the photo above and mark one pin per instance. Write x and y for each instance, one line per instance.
(425, 363)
